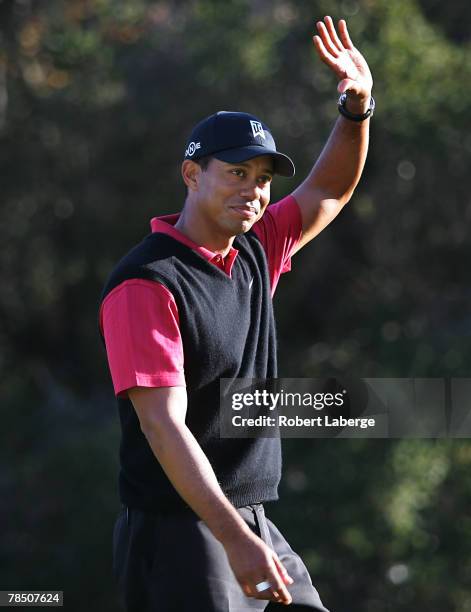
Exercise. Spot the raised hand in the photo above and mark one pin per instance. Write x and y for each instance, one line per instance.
(338, 52)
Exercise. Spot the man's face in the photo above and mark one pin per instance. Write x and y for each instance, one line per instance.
(232, 197)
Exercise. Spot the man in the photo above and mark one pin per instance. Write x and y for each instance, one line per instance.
(192, 304)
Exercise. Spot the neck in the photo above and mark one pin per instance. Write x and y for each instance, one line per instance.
(199, 232)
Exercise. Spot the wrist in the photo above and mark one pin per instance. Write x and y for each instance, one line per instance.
(357, 106)
(227, 525)
(351, 113)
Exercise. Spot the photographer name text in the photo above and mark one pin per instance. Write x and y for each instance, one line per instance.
(297, 421)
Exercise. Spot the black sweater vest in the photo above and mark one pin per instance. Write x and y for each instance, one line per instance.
(228, 331)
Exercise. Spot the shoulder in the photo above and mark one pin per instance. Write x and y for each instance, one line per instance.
(149, 260)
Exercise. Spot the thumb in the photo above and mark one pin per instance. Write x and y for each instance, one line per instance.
(348, 85)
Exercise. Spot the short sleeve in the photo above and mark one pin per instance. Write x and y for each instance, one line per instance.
(140, 325)
(279, 231)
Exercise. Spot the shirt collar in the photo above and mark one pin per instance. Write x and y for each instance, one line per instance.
(165, 225)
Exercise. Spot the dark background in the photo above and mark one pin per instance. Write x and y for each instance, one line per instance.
(96, 101)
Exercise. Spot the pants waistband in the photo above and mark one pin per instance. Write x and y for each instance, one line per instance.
(257, 510)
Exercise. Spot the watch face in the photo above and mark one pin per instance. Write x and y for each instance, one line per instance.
(372, 105)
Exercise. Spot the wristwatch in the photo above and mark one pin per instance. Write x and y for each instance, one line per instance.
(346, 113)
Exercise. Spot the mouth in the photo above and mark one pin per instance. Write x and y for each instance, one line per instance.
(245, 211)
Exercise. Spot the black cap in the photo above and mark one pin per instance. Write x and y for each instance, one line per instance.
(235, 137)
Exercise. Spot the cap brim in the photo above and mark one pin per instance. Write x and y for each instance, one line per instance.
(283, 165)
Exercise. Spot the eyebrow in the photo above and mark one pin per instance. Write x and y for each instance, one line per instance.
(246, 165)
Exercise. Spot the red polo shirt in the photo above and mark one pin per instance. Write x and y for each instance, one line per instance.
(139, 318)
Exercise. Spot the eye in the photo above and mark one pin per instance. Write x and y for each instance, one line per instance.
(265, 179)
(238, 172)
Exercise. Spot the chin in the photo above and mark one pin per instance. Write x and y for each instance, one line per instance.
(246, 226)
(239, 228)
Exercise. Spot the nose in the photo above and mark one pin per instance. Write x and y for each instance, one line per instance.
(251, 190)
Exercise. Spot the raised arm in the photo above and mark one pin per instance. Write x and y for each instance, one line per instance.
(161, 413)
(331, 182)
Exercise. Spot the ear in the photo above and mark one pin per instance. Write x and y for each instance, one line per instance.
(190, 174)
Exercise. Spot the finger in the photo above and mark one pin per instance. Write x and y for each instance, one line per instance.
(333, 34)
(326, 39)
(272, 594)
(275, 591)
(323, 54)
(275, 597)
(282, 571)
(266, 593)
(278, 586)
(344, 35)
(281, 595)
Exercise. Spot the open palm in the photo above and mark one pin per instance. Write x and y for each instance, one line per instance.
(338, 52)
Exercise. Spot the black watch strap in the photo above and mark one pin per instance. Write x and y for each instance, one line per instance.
(346, 113)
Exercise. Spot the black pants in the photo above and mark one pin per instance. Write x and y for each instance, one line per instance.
(174, 564)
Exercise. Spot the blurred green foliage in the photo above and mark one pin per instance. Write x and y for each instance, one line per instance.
(96, 101)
